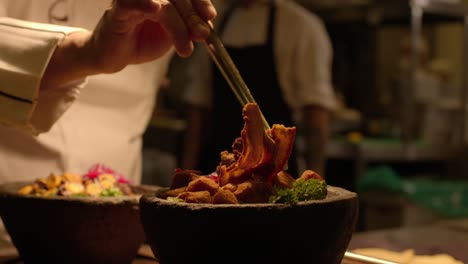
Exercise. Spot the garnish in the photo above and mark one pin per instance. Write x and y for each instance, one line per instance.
(302, 190)
(111, 192)
(98, 181)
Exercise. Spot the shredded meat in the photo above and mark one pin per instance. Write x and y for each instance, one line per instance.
(246, 174)
(173, 192)
(227, 158)
(225, 197)
(196, 197)
(203, 184)
(264, 153)
(283, 180)
(284, 142)
(183, 177)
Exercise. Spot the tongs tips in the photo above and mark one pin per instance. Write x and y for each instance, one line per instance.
(228, 69)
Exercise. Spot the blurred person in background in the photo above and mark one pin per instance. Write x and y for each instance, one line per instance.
(435, 109)
(412, 79)
(82, 91)
(284, 54)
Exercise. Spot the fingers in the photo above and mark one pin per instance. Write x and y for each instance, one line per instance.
(177, 30)
(183, 20)
(128, 13)
(205, 9)
(145, 6)
(190, 15)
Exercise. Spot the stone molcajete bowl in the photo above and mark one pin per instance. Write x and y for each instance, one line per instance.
(68, 230)
(313, 232)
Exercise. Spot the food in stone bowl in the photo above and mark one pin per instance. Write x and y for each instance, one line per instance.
(71, 218)
(99, 181)
(250, 210)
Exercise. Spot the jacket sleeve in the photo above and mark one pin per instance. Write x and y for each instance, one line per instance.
(25, 51)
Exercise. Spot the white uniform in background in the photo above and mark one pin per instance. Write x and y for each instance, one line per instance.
(100, 119)
(302, 50)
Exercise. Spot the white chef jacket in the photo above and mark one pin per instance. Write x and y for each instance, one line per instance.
(302, 52)
(97, 120)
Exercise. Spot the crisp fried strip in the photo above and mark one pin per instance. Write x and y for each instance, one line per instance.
(253, 149)
(284, 138)
(203, 184)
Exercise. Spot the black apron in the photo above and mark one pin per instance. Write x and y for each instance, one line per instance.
(257, 66)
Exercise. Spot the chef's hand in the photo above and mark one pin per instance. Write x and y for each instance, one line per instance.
(130, 32)
(136, 31)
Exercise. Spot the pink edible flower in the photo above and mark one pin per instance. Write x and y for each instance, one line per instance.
(122, 179)
(91, 175)
(98, 169)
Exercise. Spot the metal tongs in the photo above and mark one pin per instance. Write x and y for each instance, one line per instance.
(229, 71)
(354, 258)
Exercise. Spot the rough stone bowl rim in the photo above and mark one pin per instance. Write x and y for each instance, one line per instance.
(10, 190)
(332, 197)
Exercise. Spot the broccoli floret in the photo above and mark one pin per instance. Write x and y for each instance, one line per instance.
(311, 189)
(283, 196)
(302, 190)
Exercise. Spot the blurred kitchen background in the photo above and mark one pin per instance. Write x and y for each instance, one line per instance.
(398, 136)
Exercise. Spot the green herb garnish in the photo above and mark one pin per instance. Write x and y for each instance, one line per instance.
(302, 190)
(111, 192)
(82, 194)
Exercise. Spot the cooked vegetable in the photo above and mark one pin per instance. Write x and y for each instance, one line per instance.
(111, 192)
(98, 181)
(302, 190)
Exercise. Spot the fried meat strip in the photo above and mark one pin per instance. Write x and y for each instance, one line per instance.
(203, 184)
(225, 197)
(196, 197)
(173, 192)
(254, 143)
(183, 177)
(284, 141)
(264, 153)
(246, 174)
